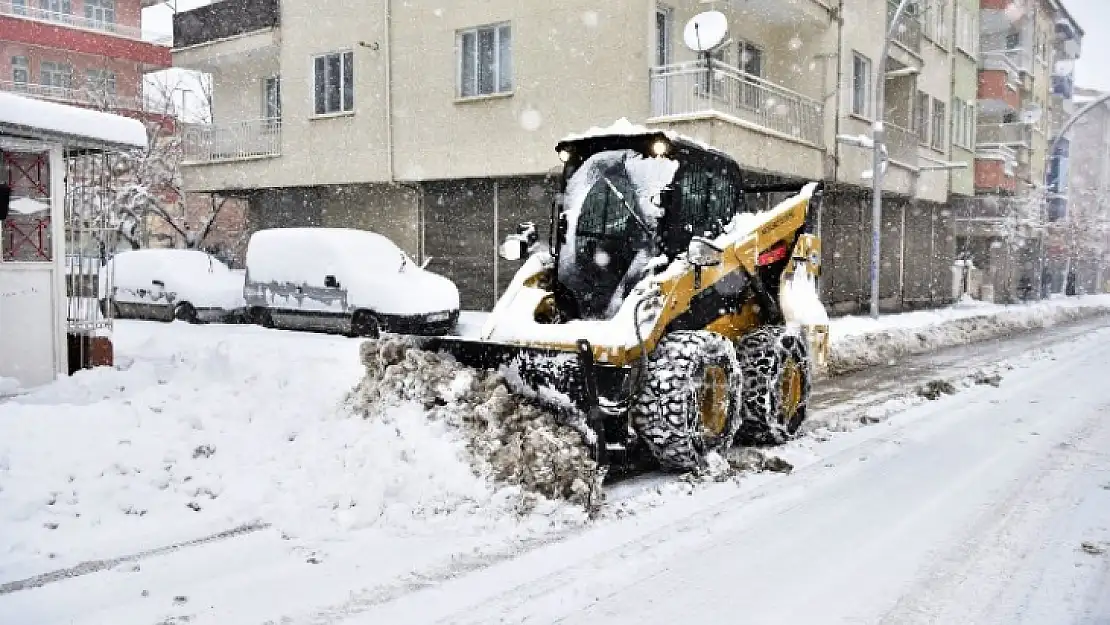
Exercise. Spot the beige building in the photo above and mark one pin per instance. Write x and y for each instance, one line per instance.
(435, 122)
(1027, 50)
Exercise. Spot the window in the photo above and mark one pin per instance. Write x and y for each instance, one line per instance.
(921, 117)
(970, 120)
(940, 28)
(58, 75)
(485, 61)
(1013, 40)
(958, 122)
(334, 89)
(101, 81)
(938, 125)
(103, 11)
(751, 58)
(56, 6)
(271, 98)
(19, 7)
(967, 30)
(21, 70)
(664, 25)
(861, 85)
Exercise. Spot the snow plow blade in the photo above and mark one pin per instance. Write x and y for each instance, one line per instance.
(562, 382)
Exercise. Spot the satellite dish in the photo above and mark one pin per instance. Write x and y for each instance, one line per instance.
(705, 32)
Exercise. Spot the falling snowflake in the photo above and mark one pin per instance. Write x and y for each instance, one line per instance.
(590, 19)
(795, 43)
(531, 120)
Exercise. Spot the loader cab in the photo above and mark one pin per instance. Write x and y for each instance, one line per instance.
(626, 200)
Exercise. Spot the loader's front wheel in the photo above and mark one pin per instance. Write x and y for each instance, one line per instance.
(688, 404)
(776, 369)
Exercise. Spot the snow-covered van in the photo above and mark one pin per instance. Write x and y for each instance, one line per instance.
(344, 280)
(159, 284)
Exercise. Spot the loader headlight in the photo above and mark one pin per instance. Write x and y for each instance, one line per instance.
(440, 316)
(564, 155)
(660, 147)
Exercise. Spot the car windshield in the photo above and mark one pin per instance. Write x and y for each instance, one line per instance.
(612, 215)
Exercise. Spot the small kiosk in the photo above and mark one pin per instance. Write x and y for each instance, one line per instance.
(57, 231)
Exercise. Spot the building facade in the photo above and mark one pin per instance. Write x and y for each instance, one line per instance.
(1027, 50)
(436, 125)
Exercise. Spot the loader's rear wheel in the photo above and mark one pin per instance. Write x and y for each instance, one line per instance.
(776, 369)
(689, 400)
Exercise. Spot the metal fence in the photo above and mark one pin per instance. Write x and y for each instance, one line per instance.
(73, 95)
(91, 238)
(1005, 134)
(234, 141)
(28, 11)
(692, 88)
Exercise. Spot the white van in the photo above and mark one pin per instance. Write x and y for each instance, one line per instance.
(343, 280)
(168, 284)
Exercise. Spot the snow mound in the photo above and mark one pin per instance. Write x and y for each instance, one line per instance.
(860, 342)
(509, 440)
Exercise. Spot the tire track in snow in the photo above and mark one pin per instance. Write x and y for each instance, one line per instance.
(95, 566)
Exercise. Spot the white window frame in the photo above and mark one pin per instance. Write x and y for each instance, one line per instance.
(664, 38)
(958, 121)
(922, 117)
(939, 125)
(266, 101)
(101, 11)
(868, 86)
(102, 80)
(50, 69)
(57, 7)
(346, 58)
(743, 47)
(504, 82)
(22, 64)
(972, 121)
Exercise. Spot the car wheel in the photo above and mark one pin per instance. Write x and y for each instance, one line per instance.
(365, 324)
(186, 312)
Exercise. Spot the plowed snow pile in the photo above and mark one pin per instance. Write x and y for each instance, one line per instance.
(508, 440)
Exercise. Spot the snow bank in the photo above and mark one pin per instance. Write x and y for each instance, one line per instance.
(20, 113)
(211, 427)
(859, 342)
(509, 441)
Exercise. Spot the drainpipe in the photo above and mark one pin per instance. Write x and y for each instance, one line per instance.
(389, 87)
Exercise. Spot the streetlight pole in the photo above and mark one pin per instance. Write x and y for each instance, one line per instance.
(878, 135)
(1090, 106)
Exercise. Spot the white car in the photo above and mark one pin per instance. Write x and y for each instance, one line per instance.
(168, 284)
(343, 280)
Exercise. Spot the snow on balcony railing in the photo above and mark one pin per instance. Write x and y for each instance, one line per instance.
(234, 141)
(901, 144)
(689, 89)
(70, 95)
(25, 10)
(908, 32)
(989, 135)
(1014, 60)
(1005, 154)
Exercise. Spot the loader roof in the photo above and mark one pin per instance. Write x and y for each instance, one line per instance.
(618, 134)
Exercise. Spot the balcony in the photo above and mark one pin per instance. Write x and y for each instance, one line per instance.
(24, 11)
(224, 20)
(1015, 134)
(687, 90)
(79, 96)
(995, 169)
(901, 145)
(236, 141)
(908, 34)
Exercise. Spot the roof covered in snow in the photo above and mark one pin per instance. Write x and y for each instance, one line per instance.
(71, 125)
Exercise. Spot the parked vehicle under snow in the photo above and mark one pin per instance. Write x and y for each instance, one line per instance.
(344, 280)
(189, 285)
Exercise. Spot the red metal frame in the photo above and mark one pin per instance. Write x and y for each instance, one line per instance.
(34, 172)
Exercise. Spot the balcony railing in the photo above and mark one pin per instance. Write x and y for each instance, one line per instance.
(1005, 154)
(901, 144)
(24, 10)
(1014, 60)
(1004, 134)
(235, 141)
(908, 32)
(71, 95)
(689, 89)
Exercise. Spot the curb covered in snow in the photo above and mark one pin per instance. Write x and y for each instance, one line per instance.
(861, 342)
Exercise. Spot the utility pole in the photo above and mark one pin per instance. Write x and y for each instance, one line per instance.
(878, 136)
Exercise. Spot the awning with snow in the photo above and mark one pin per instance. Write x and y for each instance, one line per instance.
(71, 126)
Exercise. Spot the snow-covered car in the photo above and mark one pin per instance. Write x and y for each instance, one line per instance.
(344, 280)
(164, 285)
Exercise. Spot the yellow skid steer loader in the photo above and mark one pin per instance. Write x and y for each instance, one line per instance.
(666, 312)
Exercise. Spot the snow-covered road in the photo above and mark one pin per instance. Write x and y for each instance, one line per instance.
(991, 505)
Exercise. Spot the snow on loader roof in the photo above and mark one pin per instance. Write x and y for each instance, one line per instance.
(74, 126)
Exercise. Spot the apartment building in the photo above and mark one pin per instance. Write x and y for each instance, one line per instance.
(83, 52)
(435, 124)
(1028, 49)
(1079, 178)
